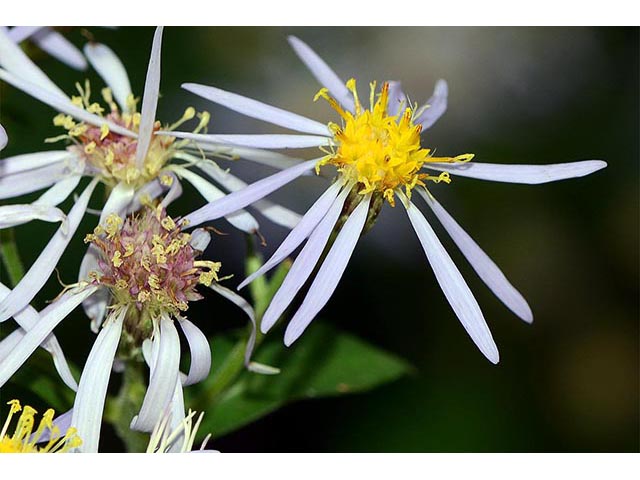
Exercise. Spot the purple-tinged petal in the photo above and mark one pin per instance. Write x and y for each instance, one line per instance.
(256, 140)
(397, 98)
(435, 106)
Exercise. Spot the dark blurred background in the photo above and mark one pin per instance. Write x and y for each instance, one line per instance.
(570, 381)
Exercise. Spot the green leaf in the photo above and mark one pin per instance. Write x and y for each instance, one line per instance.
(325, 362)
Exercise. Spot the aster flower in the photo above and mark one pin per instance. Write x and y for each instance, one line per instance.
(379, 158)
(26, 438)
(149, 269)
(117, 147)
(52, 42)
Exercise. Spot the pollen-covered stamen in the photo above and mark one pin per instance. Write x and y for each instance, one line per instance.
(111, 155)
(25, 439)
(379, 152)
(149, 266)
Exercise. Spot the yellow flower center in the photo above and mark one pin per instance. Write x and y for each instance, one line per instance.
(379, 152)
(111, 155)
(24, 439)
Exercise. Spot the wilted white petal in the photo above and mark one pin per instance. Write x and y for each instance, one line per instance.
(435, 106)
(330, 272)
(50, 317)
(299, 233)
(164, 375)
(256, 140)
(323, 73)
(303, 265)
(118, 202)
(397, 98)
(31, 161)
(16, 62)
(44, 265)
(244, 305)
(89, 403)
(12, 215)
(20, 33)
(200, 239)
(59, 47)
(112, 71)
(244, 197)
(453, 285)
(263, 157)
(529, 174)
(200, 352)
(486, 269)
(3, 140)
(261, 111)
(62, 103)
(33, 180)
(240, 219)
(149, 99)
(95, 306)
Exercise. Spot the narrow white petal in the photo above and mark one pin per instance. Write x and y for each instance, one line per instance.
(59, 47)
(330, 272)
(12, 215)
(528, 174)
(175, 190)
(164, 375)
(31, 161)
(200, 352)
(242, 198)
(44, 265)
(323, 73)
(276, 213)
(453, 286)
(397, 98)
(20, 33)
(33, 180)
(303, 265)
(49, 319)
(15, 61)
(256, 140)
(486, 269)
(95, 307)
(119, 200)
(263, 157)
(149, 99)
(240, 219)
(3, 140)
(435, 106)
(151, 190)
(244, 305)
(10, 341)
(299, 233)
(200, 239)
(177, 416)
(92, 391)
(59, 192)
(110, 68)
(61, 103)
(261, 111)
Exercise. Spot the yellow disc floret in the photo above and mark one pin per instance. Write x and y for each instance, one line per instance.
(379, 152)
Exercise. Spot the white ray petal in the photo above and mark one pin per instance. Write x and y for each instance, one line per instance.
(3, 139)
(276, 213)
(528, 174)
(12, 215)
(261, 111)
(31, 161)
(59, 47)
(177, 416)
(175, 190)
(486, 269)
(111, 70)
(89, 403)
(150, 190)
(299, 233)
(323, 73)
(200, 239)
(21, 33)
(10, 341)
(164, 375)
(95, 307)
(59, 192)
(149, 99)
(62, 104)
(44, 265)
(435, 106)
(263, 157)
(256, 140)
(453, 285)
(33, 180)
(242, 198)
(397, 98)
(304, 264)
(15, 61)
(62, 422)
(49, 319)
(330, 272)
(119, 200)
(240, 219)
(200, 352)
(244, 305)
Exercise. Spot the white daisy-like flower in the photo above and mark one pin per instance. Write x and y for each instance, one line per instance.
(51, 41)
(117, 147)
(378, 156)
(149, 269)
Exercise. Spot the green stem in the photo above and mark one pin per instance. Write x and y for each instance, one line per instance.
(10, 256)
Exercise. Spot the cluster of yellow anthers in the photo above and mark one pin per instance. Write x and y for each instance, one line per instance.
(380, 152)
(24, 439)
(111, 155)
(148, 263)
